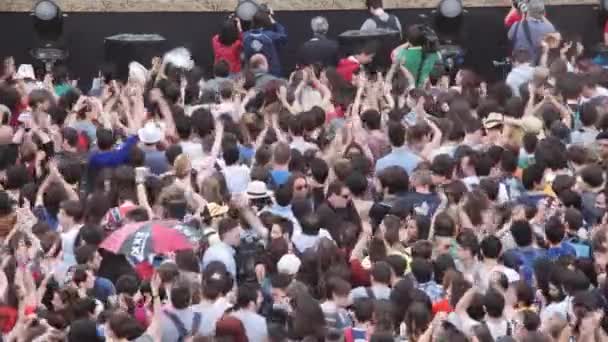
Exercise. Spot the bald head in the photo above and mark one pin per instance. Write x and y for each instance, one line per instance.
(258, 62)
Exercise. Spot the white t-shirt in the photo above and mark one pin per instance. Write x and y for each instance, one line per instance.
(237, 178)
(498, 328)
(302, 242)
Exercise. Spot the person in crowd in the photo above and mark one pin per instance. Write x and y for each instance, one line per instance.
(350, 66)
(415, 57)
(379, 19)
(266, 38)
(228, 44)
(522, 71)
(334, 204)
(319, 50)
(380, 277)
(400, 153)
(529, 33)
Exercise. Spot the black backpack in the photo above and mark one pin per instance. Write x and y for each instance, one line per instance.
(390, 24)
(181, 328)
(246, 258)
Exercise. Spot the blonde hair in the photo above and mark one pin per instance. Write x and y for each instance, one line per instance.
(182, 166)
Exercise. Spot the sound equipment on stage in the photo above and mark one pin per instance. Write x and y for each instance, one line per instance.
(386, 40)
(122, 49)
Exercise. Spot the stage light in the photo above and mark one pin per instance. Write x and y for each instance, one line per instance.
(48, 24)
(46, 10)
(450, 8)
(246, 9)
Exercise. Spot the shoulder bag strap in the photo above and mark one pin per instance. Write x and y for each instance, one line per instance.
(196, 323)
(370, 293)
(179, 325)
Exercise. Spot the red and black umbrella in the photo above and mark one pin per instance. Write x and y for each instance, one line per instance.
(139, 240)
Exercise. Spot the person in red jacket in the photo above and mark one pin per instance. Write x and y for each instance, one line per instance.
(228, 44)
(349, 66)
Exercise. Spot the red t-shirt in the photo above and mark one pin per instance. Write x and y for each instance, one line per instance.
(347, 68)
(442, 306)
(231, 54)
(606, 27)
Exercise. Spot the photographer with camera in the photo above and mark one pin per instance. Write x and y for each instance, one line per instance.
(265, 38)
(528, 33)
(419, 55)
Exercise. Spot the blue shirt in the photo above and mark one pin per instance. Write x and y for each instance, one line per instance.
(399, 156)
(538, 29)
(266, 41)
(562, 249)
(223, 253)
(113, 158)
(279, 177)
(156, 161)
(432, 289)
(523, 259)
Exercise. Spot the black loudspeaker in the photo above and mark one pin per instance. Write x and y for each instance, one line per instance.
(122, 49)
(385, 40)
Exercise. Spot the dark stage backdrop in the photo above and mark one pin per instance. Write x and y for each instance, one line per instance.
(482, 33)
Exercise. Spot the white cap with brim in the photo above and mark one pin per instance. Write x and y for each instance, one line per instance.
(151, 133)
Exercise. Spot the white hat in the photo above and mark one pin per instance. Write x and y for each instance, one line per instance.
(150, 133)
(289, 264)
(25, 71)
(257, 189)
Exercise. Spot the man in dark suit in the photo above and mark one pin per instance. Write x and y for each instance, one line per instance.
(319, 50)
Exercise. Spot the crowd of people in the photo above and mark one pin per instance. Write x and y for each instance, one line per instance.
(334, 202)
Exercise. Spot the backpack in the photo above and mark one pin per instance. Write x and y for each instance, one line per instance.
(390, 24)
(582, 249)
(246, 256)
(181, 328)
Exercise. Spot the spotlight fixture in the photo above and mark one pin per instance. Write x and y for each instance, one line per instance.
(46, 10)
(246, 9)
(450, 8)
(48, 24)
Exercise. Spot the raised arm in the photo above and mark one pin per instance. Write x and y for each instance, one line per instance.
(58, 177)
(282, 95)
(154, 329)
(435, 141)
(277, 129)
(278, 33)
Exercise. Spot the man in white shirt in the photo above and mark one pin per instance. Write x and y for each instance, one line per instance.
(237, 175)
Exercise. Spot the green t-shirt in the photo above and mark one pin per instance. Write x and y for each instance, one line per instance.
(411, 59)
